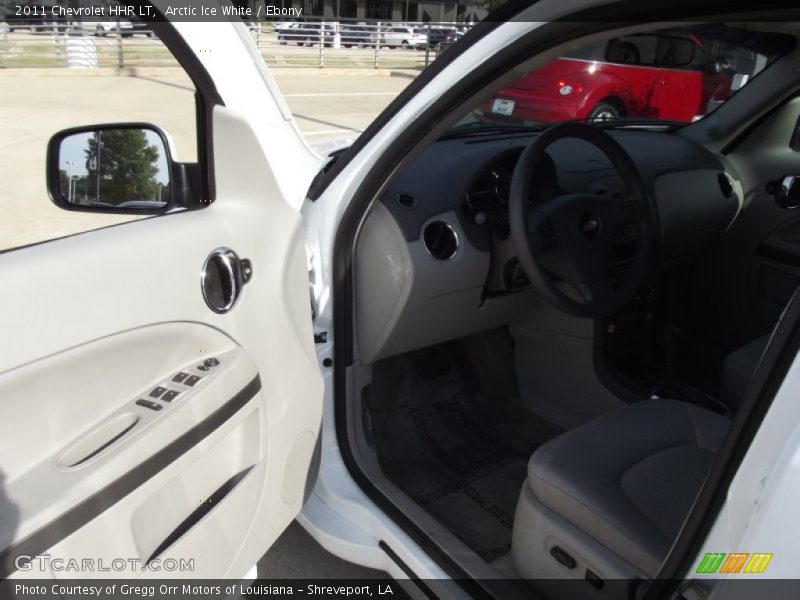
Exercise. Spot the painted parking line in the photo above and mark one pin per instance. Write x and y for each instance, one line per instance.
(325, 94)
(331, 131)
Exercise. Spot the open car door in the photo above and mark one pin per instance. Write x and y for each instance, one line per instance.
(160, 397)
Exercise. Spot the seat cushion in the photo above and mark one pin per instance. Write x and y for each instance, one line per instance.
(738, 370)
(629, 478)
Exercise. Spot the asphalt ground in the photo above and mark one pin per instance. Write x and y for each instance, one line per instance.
(330, 107)
(35, 104)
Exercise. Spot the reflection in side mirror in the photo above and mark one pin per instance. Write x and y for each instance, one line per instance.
(123, 168)
(787, 192)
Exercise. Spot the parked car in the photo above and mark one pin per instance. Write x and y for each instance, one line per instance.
(285, 31)
(438, 36)
(308, 34)
(450, 37)
(648, 76)
(453, 35)
(358, 35)
(404, 37)
(103, 28)
(284, 25)
(142, 27)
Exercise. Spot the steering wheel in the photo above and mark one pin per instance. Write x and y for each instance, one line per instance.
(574, 236)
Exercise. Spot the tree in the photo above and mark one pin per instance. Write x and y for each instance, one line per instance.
(127, 166)
(63, 181)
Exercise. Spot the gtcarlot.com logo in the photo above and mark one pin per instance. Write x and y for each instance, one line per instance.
(736, 562)
(28, 562)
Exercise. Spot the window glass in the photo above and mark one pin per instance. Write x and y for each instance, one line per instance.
(676, 75)
(60, 74)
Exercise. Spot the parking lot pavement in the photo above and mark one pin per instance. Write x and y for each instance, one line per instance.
(33, 108)
(329, 107)
(295, 555)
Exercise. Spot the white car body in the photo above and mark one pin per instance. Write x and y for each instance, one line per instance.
(106, 27)
(339, 514)
(403, 37)
(285, 26)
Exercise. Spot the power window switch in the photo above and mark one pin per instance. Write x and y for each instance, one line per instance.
(149, 404)
(157, 391)
(180, 377)
(191, 380)
(170, 395)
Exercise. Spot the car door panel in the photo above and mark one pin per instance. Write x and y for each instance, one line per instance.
(97, 320)
(80, 475)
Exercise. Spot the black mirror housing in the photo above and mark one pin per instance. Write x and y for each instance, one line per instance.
(120, 168)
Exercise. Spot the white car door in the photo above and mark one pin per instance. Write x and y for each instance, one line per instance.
(96, 322)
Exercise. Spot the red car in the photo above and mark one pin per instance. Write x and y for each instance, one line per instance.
(647, 76)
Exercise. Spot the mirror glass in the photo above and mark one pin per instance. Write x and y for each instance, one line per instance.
(115, 168)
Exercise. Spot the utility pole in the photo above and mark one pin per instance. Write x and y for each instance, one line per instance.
(69, 181)
(97, 172)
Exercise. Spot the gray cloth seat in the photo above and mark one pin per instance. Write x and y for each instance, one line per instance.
(626, 480)
(738, 370)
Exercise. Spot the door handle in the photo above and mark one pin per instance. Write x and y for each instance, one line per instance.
(223, 277)
(786, 191)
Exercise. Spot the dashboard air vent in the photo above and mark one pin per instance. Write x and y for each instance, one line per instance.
(441, 240)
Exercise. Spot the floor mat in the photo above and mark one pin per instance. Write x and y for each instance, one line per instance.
(451, 432)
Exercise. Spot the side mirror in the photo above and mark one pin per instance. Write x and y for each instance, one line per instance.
(786, 191)
(123, 169)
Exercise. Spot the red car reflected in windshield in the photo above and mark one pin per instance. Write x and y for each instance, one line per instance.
(645, 76)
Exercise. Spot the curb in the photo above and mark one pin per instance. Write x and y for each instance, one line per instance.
(408, 73)
(96, 72)
(178, 72)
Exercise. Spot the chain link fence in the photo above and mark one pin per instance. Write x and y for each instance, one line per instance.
(313, 44)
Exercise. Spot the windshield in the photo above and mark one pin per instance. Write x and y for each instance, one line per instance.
(664, 78)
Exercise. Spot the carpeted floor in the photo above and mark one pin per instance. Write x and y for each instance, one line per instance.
(451, 432)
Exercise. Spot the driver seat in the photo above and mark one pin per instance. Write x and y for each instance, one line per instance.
(603, 503)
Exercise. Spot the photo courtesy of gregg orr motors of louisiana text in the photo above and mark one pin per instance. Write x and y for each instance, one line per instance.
(190, 590)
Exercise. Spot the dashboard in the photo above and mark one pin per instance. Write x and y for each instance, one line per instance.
(435, 261)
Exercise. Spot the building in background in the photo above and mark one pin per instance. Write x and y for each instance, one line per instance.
(429, 11)
(461, 11)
